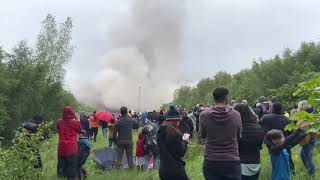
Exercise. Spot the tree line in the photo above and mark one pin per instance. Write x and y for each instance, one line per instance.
(278, 76)
(32, 78)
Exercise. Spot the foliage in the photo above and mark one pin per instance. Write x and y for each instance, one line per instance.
(278, 76)
(32, 79)
(18, 161)
(310, 89)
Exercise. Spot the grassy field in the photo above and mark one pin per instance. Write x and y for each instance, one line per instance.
(193, 158)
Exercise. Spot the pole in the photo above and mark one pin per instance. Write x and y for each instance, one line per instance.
(139, 99)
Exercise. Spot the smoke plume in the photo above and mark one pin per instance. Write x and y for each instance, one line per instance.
(144, 53)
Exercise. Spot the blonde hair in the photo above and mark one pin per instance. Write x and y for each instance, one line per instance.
(303, 105)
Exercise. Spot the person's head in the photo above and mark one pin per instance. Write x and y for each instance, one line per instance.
(84, 135)
(112, 120)
(184, 114)
(244, 101)
(277, 108)
(246, 113)
(37, 119)
(220, 95)
(303, 106)
(275, 136)
(199, 108)
(274, 99)
(123, 111)
(262, 99)
(161, 112)
(173, 115)
(68, 113)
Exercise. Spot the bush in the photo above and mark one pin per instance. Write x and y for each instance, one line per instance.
(22, 160)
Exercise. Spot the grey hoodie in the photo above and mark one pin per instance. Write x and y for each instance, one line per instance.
(221, 129)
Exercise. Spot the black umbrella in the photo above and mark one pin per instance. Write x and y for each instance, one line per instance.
(107, 158)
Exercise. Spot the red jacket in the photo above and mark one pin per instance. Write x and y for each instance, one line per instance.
(94, 122)
(68, 129)
(140, 151)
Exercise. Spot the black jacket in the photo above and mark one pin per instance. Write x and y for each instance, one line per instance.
(171, 150)
(186, 125)
(291, 141)
(123, 129)
(84, 122)
(251, 143)
(275, 121)
(161, 119)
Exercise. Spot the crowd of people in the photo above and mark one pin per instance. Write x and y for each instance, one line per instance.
(232, 134)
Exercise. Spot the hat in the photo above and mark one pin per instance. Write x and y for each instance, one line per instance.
(173, 115)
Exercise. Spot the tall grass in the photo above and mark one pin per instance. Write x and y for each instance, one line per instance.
(193, 158)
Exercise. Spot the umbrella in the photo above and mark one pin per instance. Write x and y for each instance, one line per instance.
(103, 115)
(106, 158)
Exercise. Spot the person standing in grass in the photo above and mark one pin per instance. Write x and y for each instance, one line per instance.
(149, 132)
(104, 127)
(68, 129)
(220, 127)
(122, 135)
(277, 120)
(111, 126)
(279, 156)
(140, 153)
(172, 146)
(308, 144)
(94, 123)
(250, 144)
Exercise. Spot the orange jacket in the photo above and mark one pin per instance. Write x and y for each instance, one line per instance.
(94, 123)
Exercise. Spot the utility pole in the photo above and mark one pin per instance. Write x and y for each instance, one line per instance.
(139, 101)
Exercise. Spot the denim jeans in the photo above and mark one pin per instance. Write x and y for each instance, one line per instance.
(307, 157)
(105, 133)
(110, 143)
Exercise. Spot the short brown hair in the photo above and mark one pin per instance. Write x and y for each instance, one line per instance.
(274, 134)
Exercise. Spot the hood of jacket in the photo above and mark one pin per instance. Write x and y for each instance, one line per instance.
(68, 113)
(220, 114)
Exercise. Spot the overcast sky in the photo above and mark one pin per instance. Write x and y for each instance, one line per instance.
(218, 35)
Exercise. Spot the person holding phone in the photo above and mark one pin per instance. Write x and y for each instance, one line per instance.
(172, 146)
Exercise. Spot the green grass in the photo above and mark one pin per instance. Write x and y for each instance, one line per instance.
(193, 158)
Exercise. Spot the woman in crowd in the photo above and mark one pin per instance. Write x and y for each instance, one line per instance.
(250, 144)
(172, 147)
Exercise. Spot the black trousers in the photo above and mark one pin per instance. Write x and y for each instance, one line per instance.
(222, 170)
(94, 133)
(128, 147)
(68, 167)
(254, 177)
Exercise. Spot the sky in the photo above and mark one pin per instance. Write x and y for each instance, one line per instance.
(216, 34)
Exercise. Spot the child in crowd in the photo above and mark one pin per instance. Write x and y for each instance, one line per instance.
(279, 156)
(111, 126)
(83, 154)
(140, 152)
